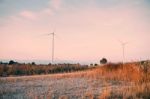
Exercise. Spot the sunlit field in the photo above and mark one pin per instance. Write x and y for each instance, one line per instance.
(110, 81)
(74, 49)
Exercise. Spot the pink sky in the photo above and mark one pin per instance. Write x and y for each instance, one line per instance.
(84, 34)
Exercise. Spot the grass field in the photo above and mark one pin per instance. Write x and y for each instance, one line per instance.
(111, 81)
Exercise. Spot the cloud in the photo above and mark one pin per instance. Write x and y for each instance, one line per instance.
(35, 16)
(28, 15)
(55, 4)
(47, 11)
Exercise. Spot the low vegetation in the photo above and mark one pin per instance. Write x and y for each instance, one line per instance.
(18, 69)
(109, 81)
(137, 73)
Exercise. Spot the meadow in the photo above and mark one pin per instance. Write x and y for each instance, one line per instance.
(110, 81)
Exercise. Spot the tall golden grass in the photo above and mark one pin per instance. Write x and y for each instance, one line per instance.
(130, 72)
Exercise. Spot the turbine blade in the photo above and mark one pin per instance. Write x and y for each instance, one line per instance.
(120, 41)
(49, 34)
(125, 43)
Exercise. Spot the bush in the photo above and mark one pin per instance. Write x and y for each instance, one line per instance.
(95, 64)
(103, 61)
(33, 63)
(11, 62)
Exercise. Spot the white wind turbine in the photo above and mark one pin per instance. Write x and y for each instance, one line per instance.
(53, 45)
(123, 44)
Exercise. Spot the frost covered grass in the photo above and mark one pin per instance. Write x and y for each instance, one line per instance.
(111, 81)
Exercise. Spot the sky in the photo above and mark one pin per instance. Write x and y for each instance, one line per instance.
(86, 30)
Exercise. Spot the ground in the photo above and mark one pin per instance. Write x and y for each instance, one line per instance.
(112, 81)
(53, 86)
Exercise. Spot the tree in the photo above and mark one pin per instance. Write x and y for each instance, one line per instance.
(11, 62)
(49, 64)
(91, 64)
(95, 64)
(33, 63)
(103, 61)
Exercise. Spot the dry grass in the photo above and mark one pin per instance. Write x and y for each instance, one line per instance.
(131, 72)
(18, 69)
(140, 91)
(118, 72)
(134, 79)
(126, 72)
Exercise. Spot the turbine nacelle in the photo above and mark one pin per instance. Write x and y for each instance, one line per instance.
(50, 34)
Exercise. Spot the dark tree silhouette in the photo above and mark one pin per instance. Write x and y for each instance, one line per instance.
(91, 64)
(95, 64)
(103, 61)
(33, 63)
(11, 62)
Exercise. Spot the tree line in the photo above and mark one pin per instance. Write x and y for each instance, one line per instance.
(14, 68)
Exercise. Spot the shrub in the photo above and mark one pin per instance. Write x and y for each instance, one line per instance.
(95, 64)
(33, 63)
(103, 61)
(11, 62)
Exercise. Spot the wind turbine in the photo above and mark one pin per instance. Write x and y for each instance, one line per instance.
(123, 44)
(53, 45)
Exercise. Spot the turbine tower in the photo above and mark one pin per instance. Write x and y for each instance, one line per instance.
(123, 44)
(53, 45)
(53, 39)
